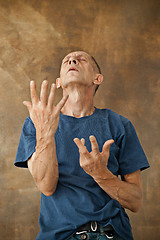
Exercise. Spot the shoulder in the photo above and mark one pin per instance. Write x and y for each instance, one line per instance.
(28, 120)
(112, 116)
(28, 125)
(116, 123)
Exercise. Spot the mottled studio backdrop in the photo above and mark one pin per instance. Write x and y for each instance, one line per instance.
(124, 37)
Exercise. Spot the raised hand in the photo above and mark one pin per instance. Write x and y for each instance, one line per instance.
(94, 163)
(43, 113)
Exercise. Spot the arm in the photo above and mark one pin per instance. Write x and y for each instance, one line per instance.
(43, 164)
(128, 192)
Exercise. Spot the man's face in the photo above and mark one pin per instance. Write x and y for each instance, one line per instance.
(77, 67)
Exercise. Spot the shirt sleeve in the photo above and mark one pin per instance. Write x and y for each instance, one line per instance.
(131, 156)
(27, 144)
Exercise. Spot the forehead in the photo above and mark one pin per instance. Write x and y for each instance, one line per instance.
(77, 54)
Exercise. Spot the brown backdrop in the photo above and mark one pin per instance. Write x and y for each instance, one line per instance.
(124, 37)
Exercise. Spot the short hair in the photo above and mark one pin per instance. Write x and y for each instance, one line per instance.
(99, 71)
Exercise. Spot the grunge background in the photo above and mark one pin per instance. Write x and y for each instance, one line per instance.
(124, 37)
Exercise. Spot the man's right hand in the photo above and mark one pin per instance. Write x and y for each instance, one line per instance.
(43, 163)
(43, 113)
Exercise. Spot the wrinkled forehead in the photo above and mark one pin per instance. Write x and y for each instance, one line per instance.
(77, 54)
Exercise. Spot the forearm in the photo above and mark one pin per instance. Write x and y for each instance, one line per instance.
(44, 165)
(129, 195)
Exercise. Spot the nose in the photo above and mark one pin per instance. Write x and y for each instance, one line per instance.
(72, 60)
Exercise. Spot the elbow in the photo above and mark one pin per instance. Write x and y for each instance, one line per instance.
(135, 209)
(49, 192)
(47, 189)
(137, 206)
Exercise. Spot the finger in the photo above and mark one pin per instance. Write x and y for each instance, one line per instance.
(94, 144)
(107, 145)
(60, 105)
(82, 149)
(28, 105)
(34, 96)
(52, 95)
(44, 92)
(83, 141)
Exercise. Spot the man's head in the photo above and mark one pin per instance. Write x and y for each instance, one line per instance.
(80, 68)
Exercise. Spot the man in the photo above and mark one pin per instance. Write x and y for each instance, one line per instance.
(75, 153)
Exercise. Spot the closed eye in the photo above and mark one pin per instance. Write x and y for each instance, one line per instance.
(65, 61)
(82, 59)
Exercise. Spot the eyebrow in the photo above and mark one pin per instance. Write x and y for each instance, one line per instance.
(79, 55)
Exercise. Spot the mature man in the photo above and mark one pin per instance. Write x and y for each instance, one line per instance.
(75, 153)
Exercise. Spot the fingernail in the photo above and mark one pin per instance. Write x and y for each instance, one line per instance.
(45, 82)
(31, 82)
(91, 136)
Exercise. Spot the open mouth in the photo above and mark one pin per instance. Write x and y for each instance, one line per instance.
(72, 69)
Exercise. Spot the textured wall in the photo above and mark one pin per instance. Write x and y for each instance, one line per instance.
(124, 36)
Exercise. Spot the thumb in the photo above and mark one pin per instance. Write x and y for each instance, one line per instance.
(107, 145)
(27, 104)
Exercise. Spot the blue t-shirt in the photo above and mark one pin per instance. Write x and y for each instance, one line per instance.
(78, 199)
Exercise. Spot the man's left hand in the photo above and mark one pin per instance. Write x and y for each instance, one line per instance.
(94, 163)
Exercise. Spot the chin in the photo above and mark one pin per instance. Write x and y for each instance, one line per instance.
(73, 79)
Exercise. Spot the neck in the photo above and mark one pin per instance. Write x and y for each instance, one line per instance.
(80, 101)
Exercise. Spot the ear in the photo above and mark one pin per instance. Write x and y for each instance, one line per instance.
(99, 79)
(58, 84)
